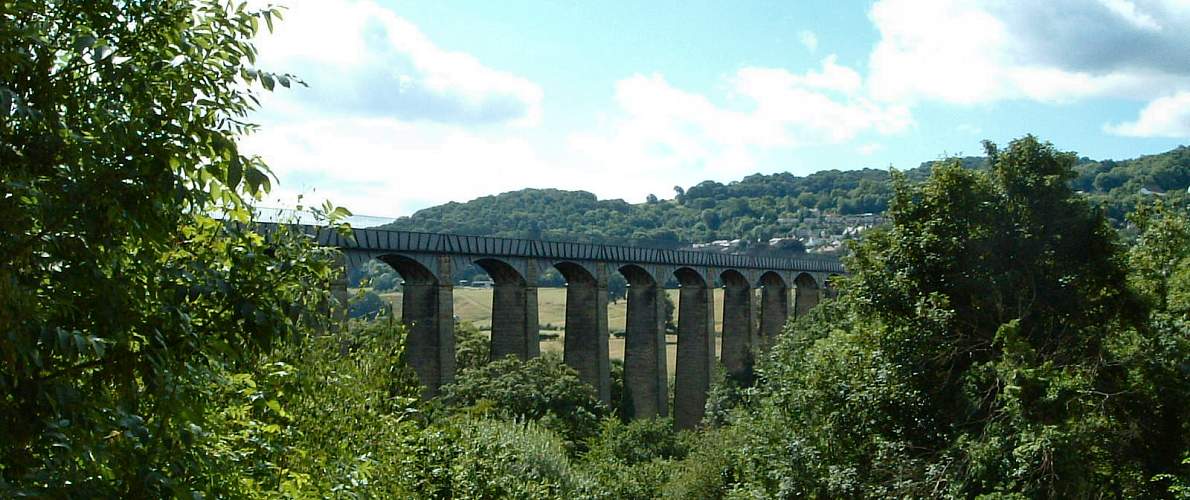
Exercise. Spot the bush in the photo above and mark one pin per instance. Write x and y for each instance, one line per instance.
(367, 305)
(508, 459)
(472, 347)
(709, 470)
(541, 389)
(632, 460)
(333, 415)
(636, 442)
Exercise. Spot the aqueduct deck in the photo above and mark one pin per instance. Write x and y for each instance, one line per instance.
(426, 262)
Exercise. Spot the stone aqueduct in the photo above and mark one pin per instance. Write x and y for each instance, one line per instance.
(426, 262)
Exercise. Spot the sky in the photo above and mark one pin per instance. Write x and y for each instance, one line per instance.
(412, 104)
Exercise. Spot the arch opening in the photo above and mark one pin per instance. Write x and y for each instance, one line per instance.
(637, 276)
(427, 311)
(689, 277)
(514, 311)
(411, 271)
(502, 273)
(807, 294)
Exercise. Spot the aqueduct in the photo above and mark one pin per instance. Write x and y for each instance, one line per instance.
(757, 301)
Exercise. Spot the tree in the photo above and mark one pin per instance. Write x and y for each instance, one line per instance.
(367, 305)
(542, 388)
(123, 304)
(985, 342)
(617, 287)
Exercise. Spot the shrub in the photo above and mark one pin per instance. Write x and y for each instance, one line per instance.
(541, 389)
(709, 470)
(509, 459)
(472, 347)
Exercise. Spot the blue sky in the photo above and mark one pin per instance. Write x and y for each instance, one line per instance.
(413, 104)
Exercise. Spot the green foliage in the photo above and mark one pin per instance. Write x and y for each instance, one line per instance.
(725, 395)
(632, 460)
(508, 459)
(620, 404)
(126, 311)
(333, 415)
(709, 471)
(614, 480)
(472, 347)
(636, 442)
(367, 304)
(985, 343)
(1119, 186)
(542, 389)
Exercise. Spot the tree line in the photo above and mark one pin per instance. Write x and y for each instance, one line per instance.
(761, 207)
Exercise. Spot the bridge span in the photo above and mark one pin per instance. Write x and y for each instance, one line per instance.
(760, 293)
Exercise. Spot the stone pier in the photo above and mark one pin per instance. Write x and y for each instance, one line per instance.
(586, 339)
(645, 380)
(696, 347)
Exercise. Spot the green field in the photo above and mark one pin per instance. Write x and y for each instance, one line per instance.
(474, 305)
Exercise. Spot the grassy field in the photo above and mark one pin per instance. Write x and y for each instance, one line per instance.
(475, 305)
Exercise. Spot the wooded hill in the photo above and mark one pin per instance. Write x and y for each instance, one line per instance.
(760, 207)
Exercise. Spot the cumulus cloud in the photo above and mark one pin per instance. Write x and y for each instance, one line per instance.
(967, 51)
(386, 167)
(669, 129)
(1167, 116)
(360, 58)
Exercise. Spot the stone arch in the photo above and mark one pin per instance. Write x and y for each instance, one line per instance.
(427, 311)
(575, 272)
(637, 276)
(737, 357)
(501, 272)
(807, 293)
(774, 307)
(646, 392)
(411, 271)
(689, 277)
(696, 347)
(733, 278)
(585, 344)
(514, 311)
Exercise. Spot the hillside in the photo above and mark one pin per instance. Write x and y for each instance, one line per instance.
(815, 210)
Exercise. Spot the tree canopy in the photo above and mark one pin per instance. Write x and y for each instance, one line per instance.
(124, 304)
(987, 341)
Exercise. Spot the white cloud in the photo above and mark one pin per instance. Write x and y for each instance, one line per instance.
(1128, 10)
(391, 122)
(808, 39)
(676, 133)
(1167, 116)
(360, 58)
(384, 167)
(968, 51)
